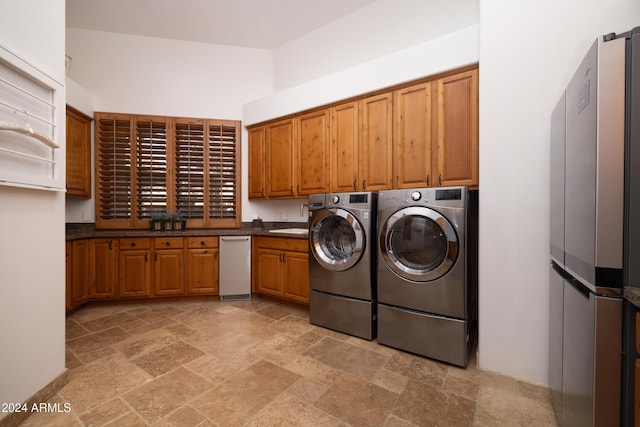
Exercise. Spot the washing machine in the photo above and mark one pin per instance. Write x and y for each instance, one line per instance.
(342, 262)
(424, 272)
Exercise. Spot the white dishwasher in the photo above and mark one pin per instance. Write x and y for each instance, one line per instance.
(235, 268)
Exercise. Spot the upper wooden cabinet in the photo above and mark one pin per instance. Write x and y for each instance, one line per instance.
(457, 111)
(279, 171)
(78, 154)
(257, 158)
(312, 153)
(345, 146)
(413, 133)
(376, 145)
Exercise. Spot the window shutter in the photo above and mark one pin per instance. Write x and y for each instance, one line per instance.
(189, 167)
(113, 156)
(224, 173)
(151, 167)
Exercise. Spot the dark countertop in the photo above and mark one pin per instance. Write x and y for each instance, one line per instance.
(76, 231)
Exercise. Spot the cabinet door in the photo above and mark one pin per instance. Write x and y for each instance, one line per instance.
(78, 154)
(69, 272)
(376, 147)
(458, 129)
(268, 277)
(79, 272)
(168, 272)
(257, 161)
(413, 137)
(202, 271)
(280, 164)
(104, 263)
(313, 153)
(345, 140)
(134, 273)
(296, 276)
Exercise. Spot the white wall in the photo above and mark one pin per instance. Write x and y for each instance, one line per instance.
(528, 51)
(378, 29)
(32, 254)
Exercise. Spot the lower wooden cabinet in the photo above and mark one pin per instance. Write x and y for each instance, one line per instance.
(79, 272)
(134, 268)
(103, 267)
(143, 267)
(281, 268)
(202, 272)
(168, 266)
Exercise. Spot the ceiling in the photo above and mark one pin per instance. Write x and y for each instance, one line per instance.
(263, 24)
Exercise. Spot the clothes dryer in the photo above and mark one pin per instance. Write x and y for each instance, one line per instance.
(341, 262)
(424, 272)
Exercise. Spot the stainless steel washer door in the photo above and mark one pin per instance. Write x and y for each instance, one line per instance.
(419, 244)
(337, 239)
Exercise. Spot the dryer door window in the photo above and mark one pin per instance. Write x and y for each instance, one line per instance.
(419, 244)
(337, 239)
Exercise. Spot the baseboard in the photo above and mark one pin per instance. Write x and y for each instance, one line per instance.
(43, 395)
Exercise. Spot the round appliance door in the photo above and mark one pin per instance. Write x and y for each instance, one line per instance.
(337, 239)
(419, 244)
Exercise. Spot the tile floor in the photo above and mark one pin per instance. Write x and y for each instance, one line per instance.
(260, 363)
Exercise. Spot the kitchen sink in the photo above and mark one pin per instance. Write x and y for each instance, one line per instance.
(290, 231)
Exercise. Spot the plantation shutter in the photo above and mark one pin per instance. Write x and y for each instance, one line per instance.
(224, 173)
(151, 167)
(190, 170)
(113, 136)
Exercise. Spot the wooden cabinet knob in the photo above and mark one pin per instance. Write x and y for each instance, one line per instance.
(133, 244)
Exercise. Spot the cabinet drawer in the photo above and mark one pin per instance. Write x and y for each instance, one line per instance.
(283, 243)
(135, 243)
(202, 242)
(168, 242)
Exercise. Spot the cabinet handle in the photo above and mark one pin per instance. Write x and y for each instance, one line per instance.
(110, 245)
(355, 182)
(167, 243)
(364, 184)
(146, 257)
(156, 256)
(440, 179)
(298, 188)
(427, 180)
(282, 258)
(201, 242)
(133, 244)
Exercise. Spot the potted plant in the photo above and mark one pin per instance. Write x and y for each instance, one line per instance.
(157, 222)
(179, 221)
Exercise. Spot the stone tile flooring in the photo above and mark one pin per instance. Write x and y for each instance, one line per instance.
(260, 363)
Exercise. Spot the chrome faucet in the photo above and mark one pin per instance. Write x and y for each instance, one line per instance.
(302, 209)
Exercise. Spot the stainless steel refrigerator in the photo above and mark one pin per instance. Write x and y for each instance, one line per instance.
(594, 179)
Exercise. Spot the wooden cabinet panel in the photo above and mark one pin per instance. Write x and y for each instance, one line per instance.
(134, 268)
(257, 160)
(79, 272)
(345, 143)
(296, 277)
(103, 268)
(413, 133)
(458, 129)
(68, 273)
(78, 149)
(268, 278)
(281, 268)
(280, 161)
(313, 153)
(168, 272)
(202, 272)
(376, 145)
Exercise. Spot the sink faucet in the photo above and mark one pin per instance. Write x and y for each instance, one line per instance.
(302, 209)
